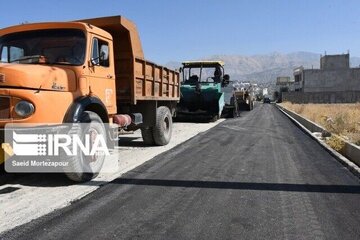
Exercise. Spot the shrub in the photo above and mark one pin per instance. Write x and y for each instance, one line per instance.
(341, 119)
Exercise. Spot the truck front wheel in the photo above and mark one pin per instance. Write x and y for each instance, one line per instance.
(163, 129)
(81, 167)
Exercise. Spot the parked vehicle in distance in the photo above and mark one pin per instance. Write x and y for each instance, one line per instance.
(54, 72)
(266, 100)
(245, 95)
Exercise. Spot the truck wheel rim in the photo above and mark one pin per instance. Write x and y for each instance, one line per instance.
(166, 124)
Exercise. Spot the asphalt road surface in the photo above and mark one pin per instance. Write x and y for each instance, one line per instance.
(254, 177)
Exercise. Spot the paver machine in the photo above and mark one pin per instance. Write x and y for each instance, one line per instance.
(201, 89)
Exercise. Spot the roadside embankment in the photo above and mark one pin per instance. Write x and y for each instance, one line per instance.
(345, 151)
(340, 119)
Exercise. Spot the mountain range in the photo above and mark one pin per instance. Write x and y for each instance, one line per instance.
(264, 69)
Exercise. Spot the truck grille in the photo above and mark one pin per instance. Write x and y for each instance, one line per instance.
(4, 107)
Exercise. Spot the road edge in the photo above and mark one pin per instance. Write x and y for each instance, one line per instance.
(352, 167)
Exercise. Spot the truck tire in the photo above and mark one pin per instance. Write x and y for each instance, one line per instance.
(214, 118)
(147, 135)
(80, 169)
(251, 105)
(234, 112)
(163, 129)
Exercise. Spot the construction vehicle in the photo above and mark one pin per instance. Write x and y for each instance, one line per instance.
(245, 95)
(55, 72)
(201, 89)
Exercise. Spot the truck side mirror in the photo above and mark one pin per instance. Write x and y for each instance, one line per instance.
(104, 52)
(100, 53)
(93, 62)
(104, 56)
(96, 61)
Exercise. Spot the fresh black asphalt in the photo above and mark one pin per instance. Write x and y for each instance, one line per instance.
(254, 177)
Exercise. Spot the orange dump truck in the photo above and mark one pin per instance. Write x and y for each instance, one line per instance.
(53, 72)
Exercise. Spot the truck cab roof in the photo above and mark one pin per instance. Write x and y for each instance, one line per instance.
(54, 25)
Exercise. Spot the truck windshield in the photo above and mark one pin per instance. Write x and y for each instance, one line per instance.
(205, 74)
(51, 46)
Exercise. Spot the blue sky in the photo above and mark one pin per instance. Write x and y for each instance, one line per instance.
(191, 29)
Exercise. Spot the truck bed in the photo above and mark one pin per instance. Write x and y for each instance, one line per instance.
(136, 78)
(155, 82)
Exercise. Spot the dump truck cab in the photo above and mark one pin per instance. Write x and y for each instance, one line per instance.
(53, 64)
(53, 72)
(201, 86)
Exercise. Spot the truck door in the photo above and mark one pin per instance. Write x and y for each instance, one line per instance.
(102, 73)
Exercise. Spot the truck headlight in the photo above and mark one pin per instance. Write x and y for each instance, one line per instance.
(24, 108)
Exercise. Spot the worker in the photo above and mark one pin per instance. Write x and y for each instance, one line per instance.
(217, 75)
(193, 79)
